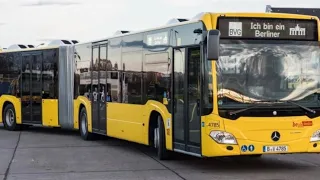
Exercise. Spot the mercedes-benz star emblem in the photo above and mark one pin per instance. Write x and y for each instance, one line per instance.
(275, 136)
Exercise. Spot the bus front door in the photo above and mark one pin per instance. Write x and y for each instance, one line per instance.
(31, 89)
(186, 95)
(98, 89)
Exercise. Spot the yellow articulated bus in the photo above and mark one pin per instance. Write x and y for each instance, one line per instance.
(223, 84)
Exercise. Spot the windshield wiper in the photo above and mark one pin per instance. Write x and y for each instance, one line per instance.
(247, 108)
(272, 103)
(302, 107)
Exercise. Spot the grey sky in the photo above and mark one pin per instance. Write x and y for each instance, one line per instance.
(28, 21)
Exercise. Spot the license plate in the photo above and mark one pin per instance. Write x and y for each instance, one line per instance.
(275, 148)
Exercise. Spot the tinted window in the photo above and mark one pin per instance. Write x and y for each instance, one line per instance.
(3, 84)
(132, 43)
(26, 78)
(132, 68)
(103, 73)
(184, 35)
(132, 76)
(114, 69)
(10, 71)
(15, 69)
(83, 72)
(94, 73)
(157, 80)
(49, 74)
(36, 69)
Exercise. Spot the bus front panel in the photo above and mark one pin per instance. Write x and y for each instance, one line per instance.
(266, 88)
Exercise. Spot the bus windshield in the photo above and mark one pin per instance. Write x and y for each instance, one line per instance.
(256, 70)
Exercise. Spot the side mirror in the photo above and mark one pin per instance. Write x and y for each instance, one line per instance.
(213, 44)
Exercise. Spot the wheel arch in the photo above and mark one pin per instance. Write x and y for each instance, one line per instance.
(9, 99)
(82, 102)
(5, 104)
(158, 109)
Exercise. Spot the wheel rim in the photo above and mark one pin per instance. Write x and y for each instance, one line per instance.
(83, 124)
(10, 117)
(156, 137)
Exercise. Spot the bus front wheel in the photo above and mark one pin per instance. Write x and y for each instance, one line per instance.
(160, 140)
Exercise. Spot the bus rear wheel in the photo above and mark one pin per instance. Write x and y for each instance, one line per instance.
(83, 126)
(160, 140)
(9, 118)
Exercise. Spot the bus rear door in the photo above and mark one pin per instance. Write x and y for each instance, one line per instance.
(31, 85)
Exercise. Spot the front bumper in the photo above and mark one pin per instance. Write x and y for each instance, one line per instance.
(247, 147)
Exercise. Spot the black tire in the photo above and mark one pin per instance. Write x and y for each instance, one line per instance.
(163, 153)
(83, 125)
(9, 118)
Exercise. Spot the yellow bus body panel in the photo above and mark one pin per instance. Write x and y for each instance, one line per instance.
(76, 111)
(16, 104)
(50, 113)
(81, 100)
(131, 122)
(256, 131)
(126, 121)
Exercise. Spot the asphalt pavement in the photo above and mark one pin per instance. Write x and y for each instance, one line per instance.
(43, 154)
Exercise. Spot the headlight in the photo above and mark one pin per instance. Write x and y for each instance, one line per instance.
(222, 137)
(315, 136)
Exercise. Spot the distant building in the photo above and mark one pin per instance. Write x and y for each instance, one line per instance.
(291, 10)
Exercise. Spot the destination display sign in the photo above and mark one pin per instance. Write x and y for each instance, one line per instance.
(267, 28)
(157, 39)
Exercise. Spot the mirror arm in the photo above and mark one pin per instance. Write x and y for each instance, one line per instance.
(204, 35)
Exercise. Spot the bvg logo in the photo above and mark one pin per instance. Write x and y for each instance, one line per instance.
(235, 29)
(302, 124)
(297, 124)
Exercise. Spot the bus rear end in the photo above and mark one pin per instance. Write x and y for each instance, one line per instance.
(267, 86)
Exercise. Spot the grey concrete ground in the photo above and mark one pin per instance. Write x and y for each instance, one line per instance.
(43, 154)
